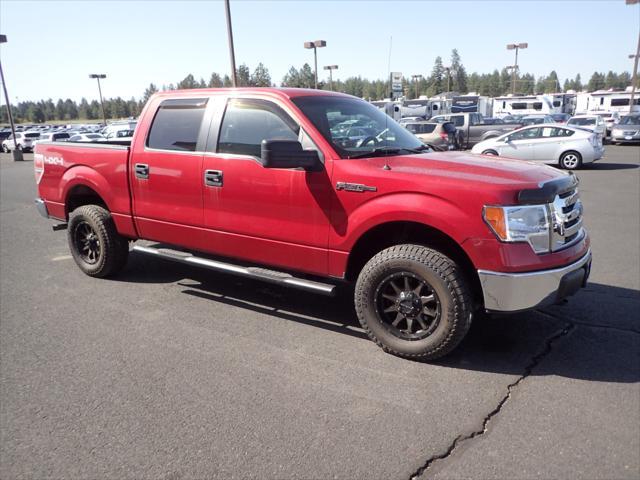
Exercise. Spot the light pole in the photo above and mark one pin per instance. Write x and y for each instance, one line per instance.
(516, 47)
(448, 69)
(232, 55)
(315, 45)
(98, 76)
(634, 76)
(17, 154)
(415, 78)
(331, 68)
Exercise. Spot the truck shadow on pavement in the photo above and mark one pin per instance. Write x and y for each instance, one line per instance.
(609, 166)
(495, 344)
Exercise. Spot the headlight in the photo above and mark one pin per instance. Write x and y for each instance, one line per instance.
(526, 223)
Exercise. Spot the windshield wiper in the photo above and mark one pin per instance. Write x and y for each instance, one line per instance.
(383, 151)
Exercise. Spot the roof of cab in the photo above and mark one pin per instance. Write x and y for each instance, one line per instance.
(285, 92)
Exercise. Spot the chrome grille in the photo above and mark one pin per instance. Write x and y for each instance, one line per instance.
(630, 132)
(566, 219)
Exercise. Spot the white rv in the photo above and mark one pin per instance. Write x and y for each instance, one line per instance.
(607, 101)
(472, 103)
(524, 105)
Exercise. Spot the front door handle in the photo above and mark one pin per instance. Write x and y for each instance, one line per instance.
(142, 170)
(213, 178)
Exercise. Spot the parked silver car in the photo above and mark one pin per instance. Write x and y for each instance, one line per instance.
(567, 147)
(627, 130)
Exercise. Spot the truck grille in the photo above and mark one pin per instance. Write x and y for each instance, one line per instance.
(566, 219)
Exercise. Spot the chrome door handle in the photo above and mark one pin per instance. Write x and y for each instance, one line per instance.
(142, 170)
(213, 178)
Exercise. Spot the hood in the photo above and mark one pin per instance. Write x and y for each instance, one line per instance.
(490, 176)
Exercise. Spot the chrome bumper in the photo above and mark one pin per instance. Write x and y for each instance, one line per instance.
(512, 292)
(42, 207)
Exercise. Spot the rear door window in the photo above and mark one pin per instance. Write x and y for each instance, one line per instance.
(176, 125)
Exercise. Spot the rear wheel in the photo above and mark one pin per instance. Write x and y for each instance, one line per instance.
(571, 160)
(413, 302)
(490, 152)
(95, 244)
(5, 149)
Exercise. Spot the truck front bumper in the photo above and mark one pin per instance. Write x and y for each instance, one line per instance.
(42, 207)
(513, 292)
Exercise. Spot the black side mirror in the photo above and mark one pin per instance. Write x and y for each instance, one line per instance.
(288, 154)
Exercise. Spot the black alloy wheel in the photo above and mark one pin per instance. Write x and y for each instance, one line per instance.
(87, 243)
(408, 306)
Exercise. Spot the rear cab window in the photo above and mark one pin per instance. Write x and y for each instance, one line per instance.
(176, 125)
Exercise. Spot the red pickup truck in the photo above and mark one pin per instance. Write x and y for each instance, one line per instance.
(269, 183)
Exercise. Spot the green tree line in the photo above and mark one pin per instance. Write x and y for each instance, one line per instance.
(441, 78)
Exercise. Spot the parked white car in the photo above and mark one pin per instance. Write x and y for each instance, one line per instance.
(53, 137)
(87, 137)
(611, 119)
(595, 123)
(24, 140)
(567, 147)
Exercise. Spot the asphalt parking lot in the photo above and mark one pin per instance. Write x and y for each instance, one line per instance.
(172, 372)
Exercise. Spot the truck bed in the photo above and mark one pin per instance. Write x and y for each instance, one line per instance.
(61, 167)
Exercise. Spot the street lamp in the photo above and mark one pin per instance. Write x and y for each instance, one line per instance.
(315, 45)
(232, 55)
(331, 68)
(415, 78)
(634, 77)
(448, 69)
(516, 47)
(98, 76)
(17, 154)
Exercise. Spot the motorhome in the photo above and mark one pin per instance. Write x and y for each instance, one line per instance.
(607, 101)
(524, 105)
(472, 103)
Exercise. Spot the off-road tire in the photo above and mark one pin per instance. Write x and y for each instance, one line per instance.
(445, 279)
(113, 248)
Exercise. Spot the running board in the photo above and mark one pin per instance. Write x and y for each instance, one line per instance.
(258, 273)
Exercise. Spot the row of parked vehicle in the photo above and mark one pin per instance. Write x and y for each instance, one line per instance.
(28, 135)
(557, 139)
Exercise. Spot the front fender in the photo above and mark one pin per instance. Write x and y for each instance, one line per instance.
(429, 210)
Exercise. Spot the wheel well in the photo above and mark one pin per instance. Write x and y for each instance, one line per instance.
(395, 233)
(491, 151)
(82, 195)
(571, 151)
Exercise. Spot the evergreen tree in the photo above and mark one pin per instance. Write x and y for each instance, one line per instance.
(243, 76)
(458, 73)
(187, 82)
(226, 81)
(215, 81)
(596, 82)
(436, 78)
(260, 76)
(292, 78)
(151, 89)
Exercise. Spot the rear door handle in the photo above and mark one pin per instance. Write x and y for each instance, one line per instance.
(142, 170)
(213, 178)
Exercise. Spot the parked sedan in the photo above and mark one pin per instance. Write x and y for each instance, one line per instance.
(594, 123)
(627, 130)
(560, 117)
(567, 147)
(439, 135)
(536, 120)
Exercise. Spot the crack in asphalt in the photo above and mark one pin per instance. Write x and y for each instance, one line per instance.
(575, 321)
(535, 361)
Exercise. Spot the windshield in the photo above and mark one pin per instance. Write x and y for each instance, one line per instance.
(582, 121)
(630, 120)
(355, 127)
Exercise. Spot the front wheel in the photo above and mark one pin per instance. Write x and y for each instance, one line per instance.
(95, 244)
(413, 302)
(5, 149)
(490, 152)
(571, 160)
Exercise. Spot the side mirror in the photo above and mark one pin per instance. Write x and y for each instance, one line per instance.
(288, 154)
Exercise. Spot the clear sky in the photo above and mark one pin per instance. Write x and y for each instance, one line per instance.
(54, 45)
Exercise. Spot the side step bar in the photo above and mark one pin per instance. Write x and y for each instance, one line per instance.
(257, 273)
